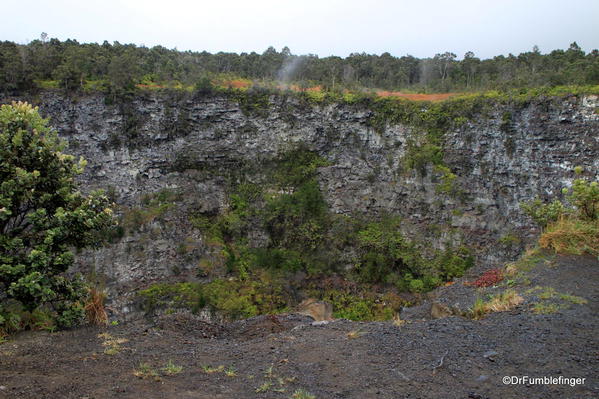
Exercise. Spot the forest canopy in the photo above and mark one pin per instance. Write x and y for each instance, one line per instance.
(71, 64)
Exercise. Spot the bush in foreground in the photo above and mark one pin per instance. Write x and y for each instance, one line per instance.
(42, 217)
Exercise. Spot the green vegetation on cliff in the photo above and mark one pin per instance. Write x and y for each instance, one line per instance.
(305, 244)
(570, 225)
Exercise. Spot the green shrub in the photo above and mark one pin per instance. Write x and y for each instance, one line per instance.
(224, 297)
(297, 167)
(452, 263)
(507, 125)
(183, 295)
(43, 216)
(15, 317)
(543, 213)
(510, 239)
(161, 197)
(306, 237)
(385, 255)
(417, 285)
(418, 156)
(153, 206)
(584, 195)
(296, 216)
(278, 259)
(448, 180)
(363, 304)
(260, 293)
(10, 318)
(570, 229)
(204, 86)
(254, 101)
(297, 220)
(583, 198)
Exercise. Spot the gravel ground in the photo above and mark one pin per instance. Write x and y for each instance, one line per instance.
(275, 357)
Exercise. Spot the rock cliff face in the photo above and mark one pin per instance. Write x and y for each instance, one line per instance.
(193, 145)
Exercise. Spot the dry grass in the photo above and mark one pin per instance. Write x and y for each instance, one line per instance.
(503, 302)
(211, 370)
(572, 236)
(355, 334)
(94, 308)
(111, 345)
(397, 321)
(510, 270)
(145, 371)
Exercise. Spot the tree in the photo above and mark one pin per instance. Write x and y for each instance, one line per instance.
(123, 72)
(444, 63)
(71, 72)
(470, 65)
(42, 217)
(12, 74)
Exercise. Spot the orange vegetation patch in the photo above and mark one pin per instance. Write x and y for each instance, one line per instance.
(237, 83)
(416, 97)
(315, 89)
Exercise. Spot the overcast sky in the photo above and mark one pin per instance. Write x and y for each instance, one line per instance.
(421, 28)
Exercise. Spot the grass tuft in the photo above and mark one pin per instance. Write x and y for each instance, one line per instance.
(171, 368)
(573, 299)
(546, 308)
(111, 344)
(355, 334)
(503, 302)
(572, 236)
(211, 370)
(265, 387)
(230, 372)
(94, 308)
(550, 301)
(397, 321)
(145, 371)
(302, 394)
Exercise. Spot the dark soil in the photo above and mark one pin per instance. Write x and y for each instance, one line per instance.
(452, 357)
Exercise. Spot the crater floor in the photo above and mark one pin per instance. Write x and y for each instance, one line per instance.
(277, 357)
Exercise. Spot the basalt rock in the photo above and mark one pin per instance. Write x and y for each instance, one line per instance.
(194, 145)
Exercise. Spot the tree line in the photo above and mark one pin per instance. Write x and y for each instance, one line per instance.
(122, 66)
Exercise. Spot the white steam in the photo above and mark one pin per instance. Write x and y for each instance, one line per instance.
(289, 67)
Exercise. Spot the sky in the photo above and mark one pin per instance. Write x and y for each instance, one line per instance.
(421, 28)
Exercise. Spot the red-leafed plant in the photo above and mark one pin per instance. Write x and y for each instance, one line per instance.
(487, 279)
